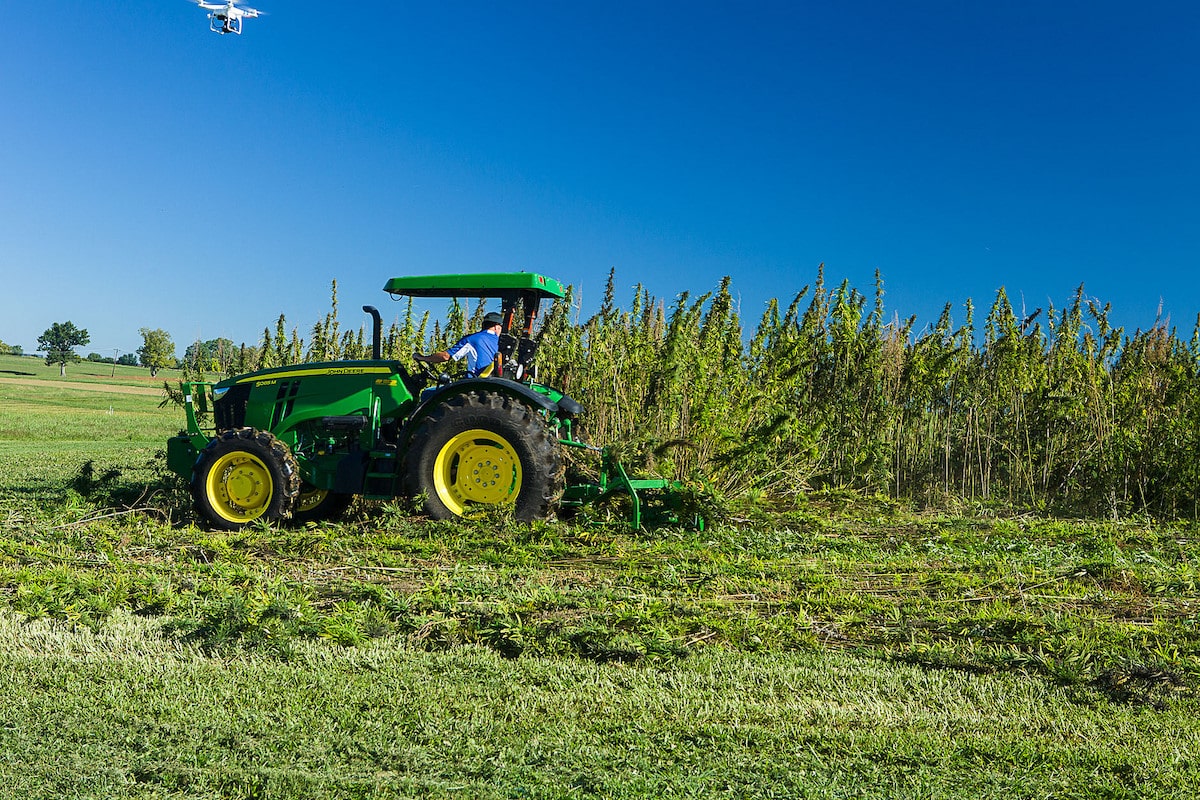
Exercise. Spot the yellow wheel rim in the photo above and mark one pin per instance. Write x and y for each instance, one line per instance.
(309, 500)
(239, 487)
(476, 467)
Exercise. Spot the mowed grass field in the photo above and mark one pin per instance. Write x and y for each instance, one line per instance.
(845, 648)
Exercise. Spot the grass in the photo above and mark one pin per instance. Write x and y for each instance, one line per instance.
(94, 416)
(150, 719)
(843, 647)
(35, 367)
(86, 406)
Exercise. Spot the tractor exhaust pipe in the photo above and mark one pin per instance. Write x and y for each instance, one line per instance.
(376, 332)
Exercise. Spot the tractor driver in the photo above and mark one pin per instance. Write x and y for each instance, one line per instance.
(479, 348)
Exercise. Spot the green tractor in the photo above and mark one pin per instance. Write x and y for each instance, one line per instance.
(300, 442)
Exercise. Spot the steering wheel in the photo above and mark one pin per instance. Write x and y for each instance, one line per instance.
(426, 371)
(431, 378)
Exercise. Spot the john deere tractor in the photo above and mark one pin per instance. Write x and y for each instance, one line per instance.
(302, 441)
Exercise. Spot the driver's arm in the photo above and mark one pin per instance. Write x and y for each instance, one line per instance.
(432, 358)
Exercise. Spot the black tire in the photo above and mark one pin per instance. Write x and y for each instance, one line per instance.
(243, 475)
(318, 505)
(484, 449)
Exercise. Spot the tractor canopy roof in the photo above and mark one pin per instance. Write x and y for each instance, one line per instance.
(481, 284)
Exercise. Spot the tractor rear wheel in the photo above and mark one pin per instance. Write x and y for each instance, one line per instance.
(481, 449)
(242, 475)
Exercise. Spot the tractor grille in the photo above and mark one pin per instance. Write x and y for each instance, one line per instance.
(230, 410)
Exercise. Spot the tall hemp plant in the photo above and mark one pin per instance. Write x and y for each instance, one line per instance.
(1057, 411)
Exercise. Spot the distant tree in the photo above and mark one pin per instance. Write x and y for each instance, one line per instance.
(59, 341)
(214, 355)
(222, 354)
(157, 350)
(99, 358)
(128, 359)
(195, 357)
(9, 349)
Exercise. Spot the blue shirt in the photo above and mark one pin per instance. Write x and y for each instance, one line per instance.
(479, 349)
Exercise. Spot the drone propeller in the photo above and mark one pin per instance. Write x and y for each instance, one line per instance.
(244, 11)
(227, 17)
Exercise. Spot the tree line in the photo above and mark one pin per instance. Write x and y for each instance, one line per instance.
(58, 343)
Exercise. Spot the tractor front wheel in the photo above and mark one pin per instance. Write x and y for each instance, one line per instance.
(483, 449)
(243, 475)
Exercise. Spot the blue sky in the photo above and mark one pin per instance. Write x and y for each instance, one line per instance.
(154, 174)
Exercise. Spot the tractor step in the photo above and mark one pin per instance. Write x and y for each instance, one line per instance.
(382, 468)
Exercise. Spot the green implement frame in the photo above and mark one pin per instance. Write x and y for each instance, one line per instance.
(614, 481)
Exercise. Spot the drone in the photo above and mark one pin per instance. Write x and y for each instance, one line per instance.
(226, 17)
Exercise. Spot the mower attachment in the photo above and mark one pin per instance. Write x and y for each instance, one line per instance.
(667, 508)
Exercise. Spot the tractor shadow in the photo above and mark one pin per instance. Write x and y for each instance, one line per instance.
(16, 372)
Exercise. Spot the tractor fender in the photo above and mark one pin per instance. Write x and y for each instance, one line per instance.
(497, 385)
